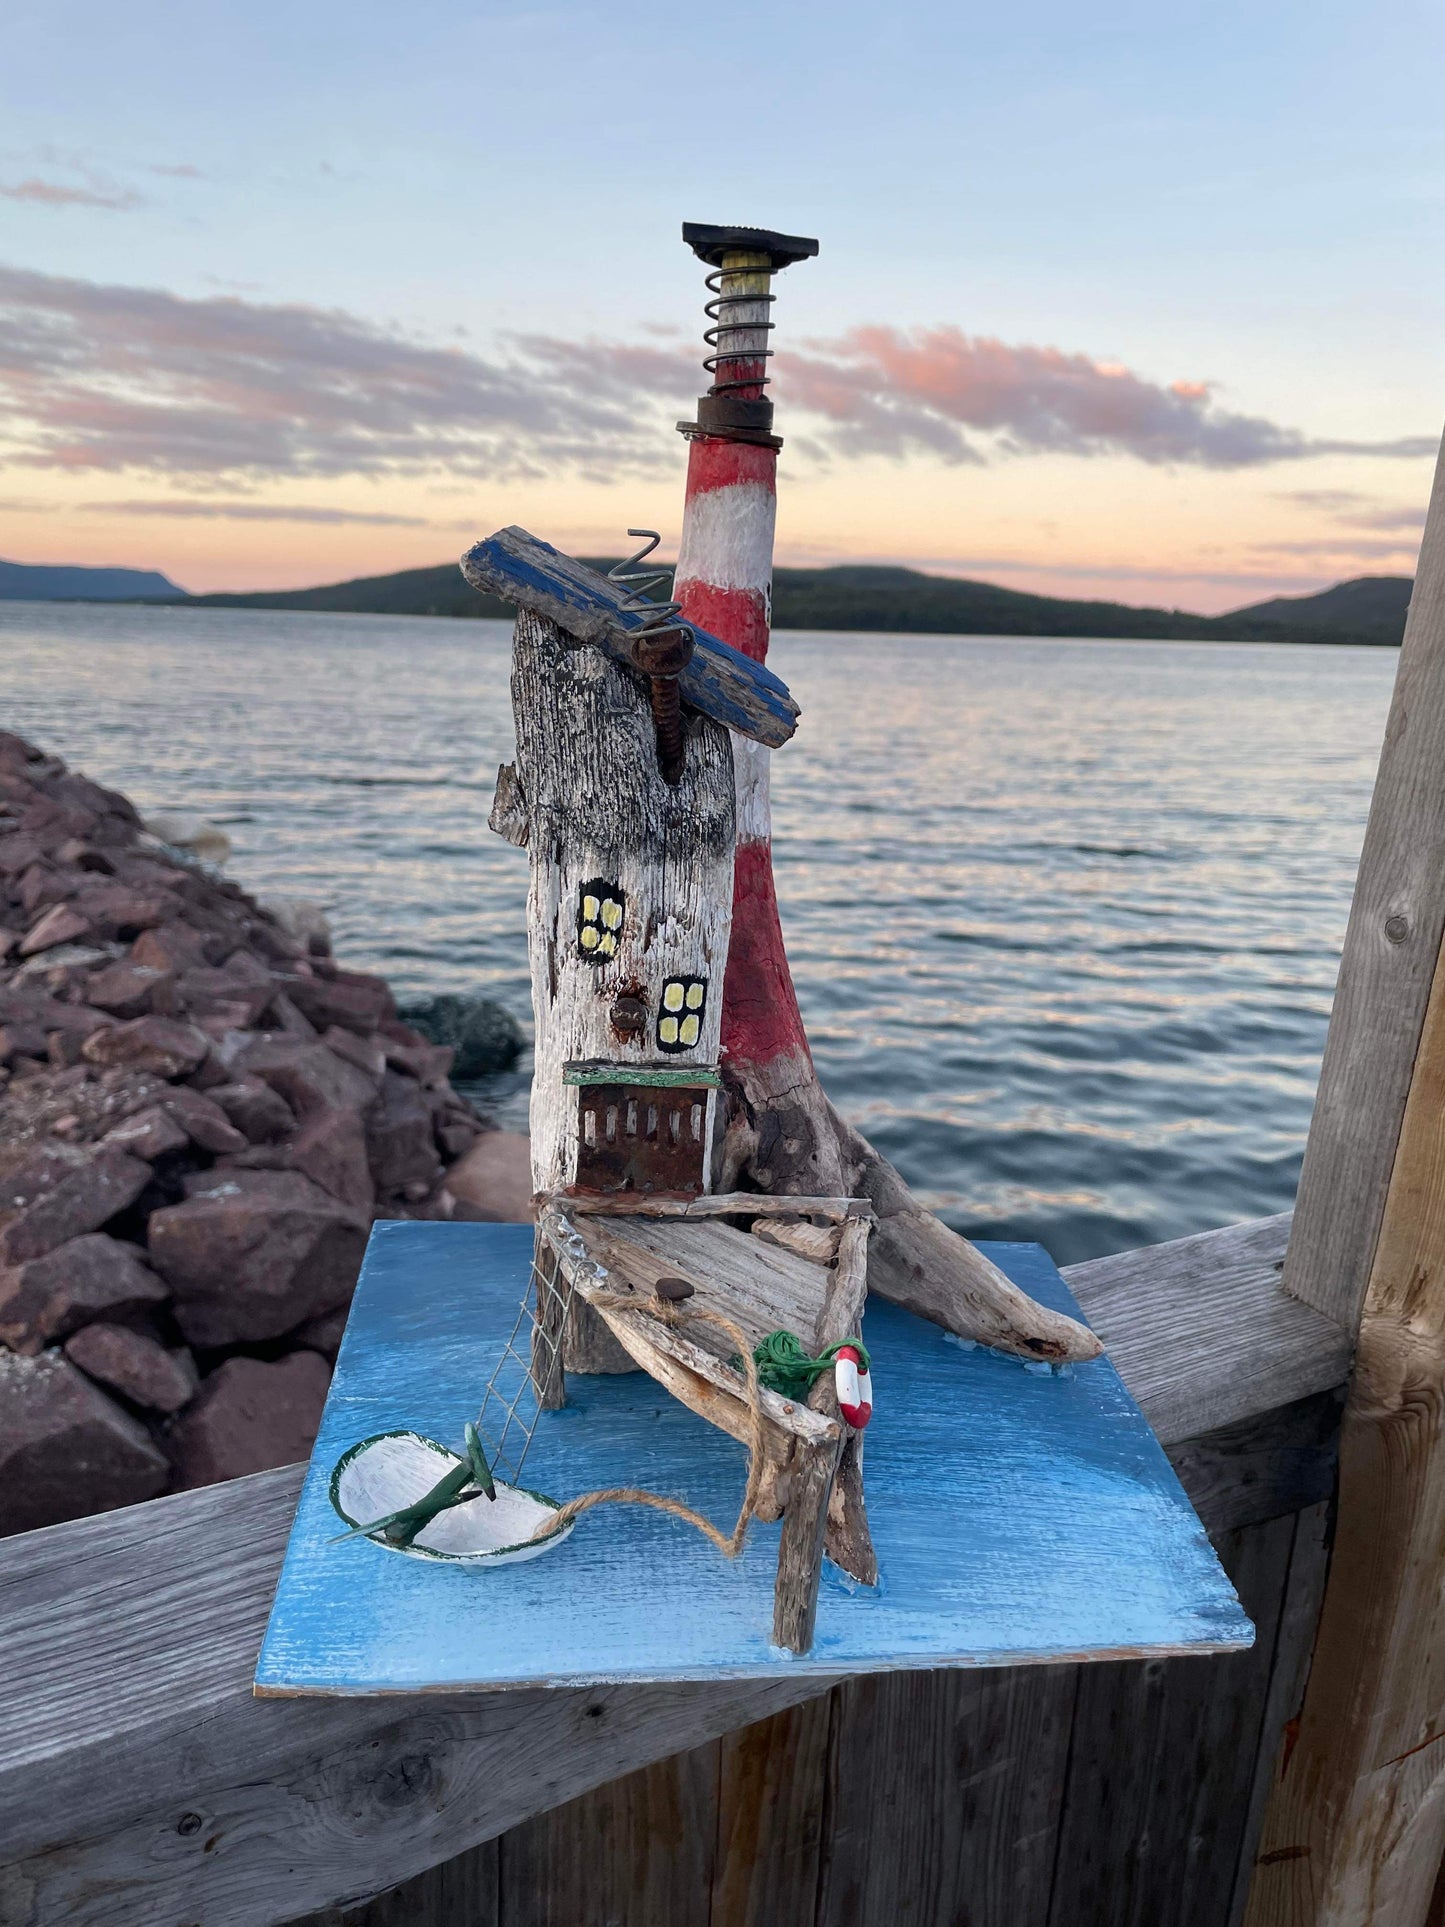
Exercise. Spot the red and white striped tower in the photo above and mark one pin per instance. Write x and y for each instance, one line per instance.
(782, 1134)
(724, 584)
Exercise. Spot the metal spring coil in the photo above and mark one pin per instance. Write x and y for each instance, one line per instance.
(656, 615)
(712, 336)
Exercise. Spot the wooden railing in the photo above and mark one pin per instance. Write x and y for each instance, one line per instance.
(141, 1785)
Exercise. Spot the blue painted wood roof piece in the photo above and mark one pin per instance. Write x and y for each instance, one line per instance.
(1017, 1516)
(720, 681)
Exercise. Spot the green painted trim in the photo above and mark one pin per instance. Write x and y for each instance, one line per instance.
(662, 1076)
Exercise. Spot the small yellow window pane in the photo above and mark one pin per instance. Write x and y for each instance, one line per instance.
(589, 938)
(695, 995)
(672, 1000)
(688, 1030)
(606, 945)
(590, 907)
(667, 1030)
(612, 914)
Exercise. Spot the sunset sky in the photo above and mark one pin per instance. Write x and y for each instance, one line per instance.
(1138, 301)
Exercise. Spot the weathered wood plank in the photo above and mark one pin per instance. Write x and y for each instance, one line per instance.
(1250, 1346)
(1355, 1830)
(1294, 1643)
(1161, 1768)
(640, 1850)
(462, 1892)
(1262, 1467)
(1391, 944)
(771, 1778)
(136, 1634)
(720, 681)
(945, 1791)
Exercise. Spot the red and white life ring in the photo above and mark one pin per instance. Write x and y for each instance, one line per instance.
(854, 1387)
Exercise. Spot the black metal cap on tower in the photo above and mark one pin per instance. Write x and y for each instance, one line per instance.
(710, 244)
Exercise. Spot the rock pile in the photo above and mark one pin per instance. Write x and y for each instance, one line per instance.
(200, 1115)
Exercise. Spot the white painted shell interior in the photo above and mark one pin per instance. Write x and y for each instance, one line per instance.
(396, 1471)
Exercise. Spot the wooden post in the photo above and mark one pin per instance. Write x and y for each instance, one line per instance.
(1356, 1824)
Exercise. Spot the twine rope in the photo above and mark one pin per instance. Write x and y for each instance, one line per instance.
(784, 1367)
(729, 1544)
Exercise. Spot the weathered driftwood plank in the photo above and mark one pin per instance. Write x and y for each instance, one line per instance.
(719, 680)
(1252, 1347)
(136, 1635)
(465, 1891)
(1356, 1827)
(1391, 945)
(598, 816)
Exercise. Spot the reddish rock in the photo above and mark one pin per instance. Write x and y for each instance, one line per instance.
(17, 852)
(170, 946)
(365, 1052)
(39, 887)
(262, 1114)
(115, 910)
(348, 999)
(82, 1279)
(493, 1182)
(158, 1044)
(331, 1148)
(324, 1334)
(60, 924)
(76, 853)
(203, 1121)
(250, 1416)
(455, 1134)
(399, 1138)
(253, 1254)
(208, 992)
(66, 1449)
(150, 1134)
(131, 990)
(429, 1064)
(310, 1077)
(134, 1364)
(20, 1038)
(90, 1193)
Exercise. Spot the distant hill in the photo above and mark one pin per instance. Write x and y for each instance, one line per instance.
(906, 600)
(27, 582)
(1371, 608)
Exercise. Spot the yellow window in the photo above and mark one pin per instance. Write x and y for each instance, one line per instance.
(673, 996)
(667, 1030)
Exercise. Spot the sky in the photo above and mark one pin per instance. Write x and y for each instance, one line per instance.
(1132, 301)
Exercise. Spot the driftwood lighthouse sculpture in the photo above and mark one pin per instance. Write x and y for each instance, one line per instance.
(669, 1053)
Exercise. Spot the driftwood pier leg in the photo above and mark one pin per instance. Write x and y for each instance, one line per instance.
(783, 1135)
(549, 1379)
(1354, 1830)
(800, 1550)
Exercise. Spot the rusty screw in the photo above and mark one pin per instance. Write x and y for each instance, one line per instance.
(662, 655)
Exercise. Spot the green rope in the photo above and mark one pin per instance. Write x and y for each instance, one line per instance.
(785, 1368)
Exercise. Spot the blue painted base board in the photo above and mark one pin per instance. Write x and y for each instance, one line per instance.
(1018, 1516)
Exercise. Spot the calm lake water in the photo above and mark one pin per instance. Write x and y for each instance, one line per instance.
(1064, 916)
